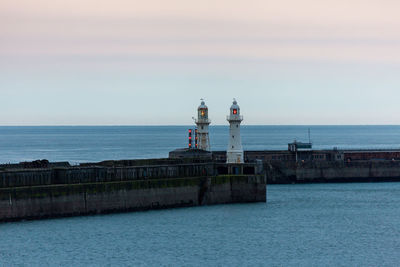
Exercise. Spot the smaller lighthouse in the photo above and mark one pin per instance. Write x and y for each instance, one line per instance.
(234, 153)
(202, 123)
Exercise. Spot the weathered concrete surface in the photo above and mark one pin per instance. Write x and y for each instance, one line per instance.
(98, 174)
(58, 200)
(317, 172)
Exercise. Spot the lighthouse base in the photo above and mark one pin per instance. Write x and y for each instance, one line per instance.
(234, 156)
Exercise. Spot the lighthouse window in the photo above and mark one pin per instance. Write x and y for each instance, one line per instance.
(232, 146)
(202, 127)
(233, 136)
(237, 126)
(235, 111)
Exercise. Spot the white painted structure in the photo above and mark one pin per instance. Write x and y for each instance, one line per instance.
(202, 123)
(234, 153)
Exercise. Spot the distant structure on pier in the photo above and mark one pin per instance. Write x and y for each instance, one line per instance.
(234, 153)
(202, 123)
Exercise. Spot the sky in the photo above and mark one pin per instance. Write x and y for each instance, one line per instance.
(128, 62)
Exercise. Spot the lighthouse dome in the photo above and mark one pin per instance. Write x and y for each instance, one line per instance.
(235, 107)
(202, 105)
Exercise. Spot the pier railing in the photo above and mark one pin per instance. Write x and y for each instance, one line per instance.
(234, 118)
(101, 174)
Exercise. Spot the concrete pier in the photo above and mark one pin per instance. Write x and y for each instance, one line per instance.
(42, 189)
(114, 187)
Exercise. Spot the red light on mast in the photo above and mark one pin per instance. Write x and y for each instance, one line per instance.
(190, 138)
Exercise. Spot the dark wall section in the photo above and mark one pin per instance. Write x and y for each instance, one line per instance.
(17, 203)
(98, 174)
(323, 172)
(119, 186)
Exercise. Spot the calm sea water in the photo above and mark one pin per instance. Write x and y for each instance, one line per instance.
(355, 224)
(301, 225)
(83, 144)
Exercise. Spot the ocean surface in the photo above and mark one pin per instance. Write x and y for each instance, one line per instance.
(300, 225)
(355, 224)
(89, 144)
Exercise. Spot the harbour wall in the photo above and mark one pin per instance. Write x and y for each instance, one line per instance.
(43, 190)
(97, 173)
(71, 191)
(324, 166)
(330, 171)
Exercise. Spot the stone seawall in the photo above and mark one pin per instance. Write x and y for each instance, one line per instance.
(97, 174)
(60, 200)
(322, 172)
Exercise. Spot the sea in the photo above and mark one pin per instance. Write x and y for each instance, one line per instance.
(352, 224)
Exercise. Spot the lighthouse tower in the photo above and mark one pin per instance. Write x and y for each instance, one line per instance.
(202, 123)
(234, 153)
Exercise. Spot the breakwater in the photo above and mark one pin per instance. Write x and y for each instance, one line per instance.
(331, 171)
(119, 186)
(324, 166)
(41, 189)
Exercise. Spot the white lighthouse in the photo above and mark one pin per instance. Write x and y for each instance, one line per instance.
(202, 123)
(234, 153)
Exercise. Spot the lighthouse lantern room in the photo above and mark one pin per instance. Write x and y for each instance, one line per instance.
(234, 152)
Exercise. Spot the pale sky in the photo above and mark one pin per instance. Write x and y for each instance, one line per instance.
(149, 62)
